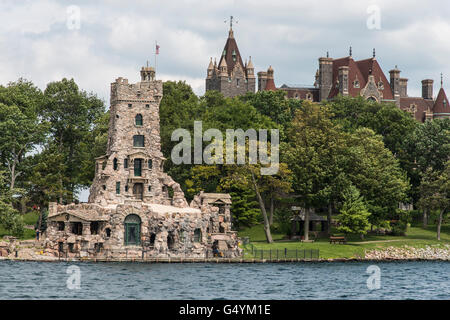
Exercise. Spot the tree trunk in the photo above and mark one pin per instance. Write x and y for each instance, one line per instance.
(263, 210)
(330, 210)
(40, 221)
(439, 224)
(271, 210)
(425, 218)
(306, 225)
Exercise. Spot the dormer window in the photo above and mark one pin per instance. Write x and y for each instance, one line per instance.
(356, 84)
(380, 85)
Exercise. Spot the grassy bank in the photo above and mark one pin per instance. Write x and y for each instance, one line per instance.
(355, 247)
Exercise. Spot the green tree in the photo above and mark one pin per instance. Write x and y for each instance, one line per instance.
(10, 218)
(353, 217)
(435, 193)
(21, 127)
(72, 114)
(376, 173)
(313, 153)
(428, 146)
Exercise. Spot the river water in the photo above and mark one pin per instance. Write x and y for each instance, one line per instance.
(330, 280)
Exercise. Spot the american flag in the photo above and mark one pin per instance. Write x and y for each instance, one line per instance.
(157, 49)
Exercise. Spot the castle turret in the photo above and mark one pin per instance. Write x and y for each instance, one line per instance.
(270, 85)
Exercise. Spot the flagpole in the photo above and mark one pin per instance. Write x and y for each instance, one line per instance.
(156, 46)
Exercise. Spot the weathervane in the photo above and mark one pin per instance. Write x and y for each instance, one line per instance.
(231, 22)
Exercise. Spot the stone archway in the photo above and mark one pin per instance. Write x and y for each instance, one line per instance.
(132, 227)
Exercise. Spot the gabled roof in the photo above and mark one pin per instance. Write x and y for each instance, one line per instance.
(231, 54)
(360, 70)
(421, 106)
(441, 104)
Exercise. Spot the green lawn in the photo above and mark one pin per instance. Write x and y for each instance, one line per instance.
(29, 218)
(355, 247)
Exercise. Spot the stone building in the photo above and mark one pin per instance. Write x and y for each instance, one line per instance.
(349, 77)
(232, 77)
(136, 210)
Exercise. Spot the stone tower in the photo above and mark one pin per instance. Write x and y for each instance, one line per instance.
(231, 76)
(132, 166)
(135, 210)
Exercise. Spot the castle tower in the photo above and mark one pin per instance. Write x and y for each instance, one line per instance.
(233, 77)
(132, 167)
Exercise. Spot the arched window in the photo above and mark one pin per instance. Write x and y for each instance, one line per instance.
(115, 165)
(138, 119)
(197, 235)
(132, 230)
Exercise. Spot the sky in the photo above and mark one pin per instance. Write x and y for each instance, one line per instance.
(97, 42)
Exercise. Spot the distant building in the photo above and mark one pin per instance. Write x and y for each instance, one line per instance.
(348, 77)
(232, 76)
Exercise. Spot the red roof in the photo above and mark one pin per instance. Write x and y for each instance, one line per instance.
(230, 48)
(421, 105)
(441, 104)
(359, 70)
(270, 85)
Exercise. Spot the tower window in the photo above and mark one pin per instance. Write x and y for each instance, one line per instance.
(149, 188)
(138, 141)
(115, 165)
(150, 163)
(125, 163)
(147, 106)
(118, 187)
(130, 105)
(138, 119)
(237, 82)
(126, 188)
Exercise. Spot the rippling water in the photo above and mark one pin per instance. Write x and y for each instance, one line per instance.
(399, 280)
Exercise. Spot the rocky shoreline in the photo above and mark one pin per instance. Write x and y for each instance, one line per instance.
(31, 250)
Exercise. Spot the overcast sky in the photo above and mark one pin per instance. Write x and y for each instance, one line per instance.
(42, 40)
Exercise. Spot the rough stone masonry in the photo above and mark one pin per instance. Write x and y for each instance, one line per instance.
(135, 210)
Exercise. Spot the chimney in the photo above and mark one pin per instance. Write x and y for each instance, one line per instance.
(262, 80)
(325, 77)
(403, 85)
(427, 89)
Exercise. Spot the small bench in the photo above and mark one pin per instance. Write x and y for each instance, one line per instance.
(338, 240)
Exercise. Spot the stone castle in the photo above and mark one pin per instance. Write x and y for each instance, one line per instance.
(135, 210)
(343, 76)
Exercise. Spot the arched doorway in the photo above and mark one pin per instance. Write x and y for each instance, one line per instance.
(132, 230)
